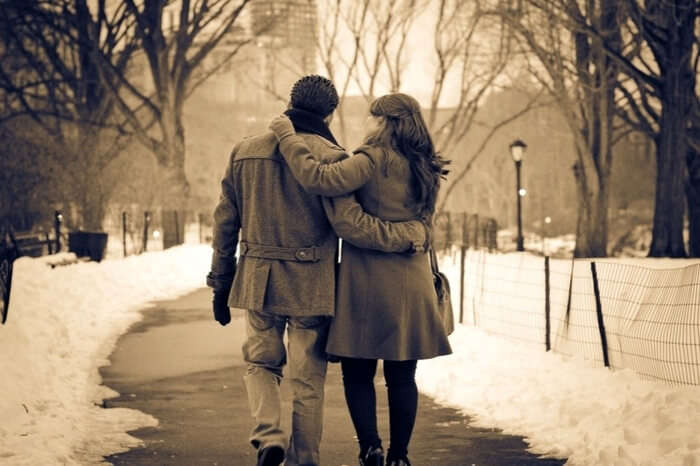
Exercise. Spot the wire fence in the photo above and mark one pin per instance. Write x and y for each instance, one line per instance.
(614, 314)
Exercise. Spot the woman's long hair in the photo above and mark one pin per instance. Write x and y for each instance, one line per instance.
(404, 130)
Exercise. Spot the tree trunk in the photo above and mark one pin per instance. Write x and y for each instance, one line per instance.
(592, 223)
(692, 190)
(175, 188)
(87, 180)
(677, 94)
(92, 210)
(667, 232)
(173, 224)
(597, 76)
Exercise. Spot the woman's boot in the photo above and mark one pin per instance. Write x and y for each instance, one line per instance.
(373, 456)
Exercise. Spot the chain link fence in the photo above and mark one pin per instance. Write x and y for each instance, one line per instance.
(623, 316)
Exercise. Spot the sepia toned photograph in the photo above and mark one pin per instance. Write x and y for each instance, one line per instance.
(349, 232)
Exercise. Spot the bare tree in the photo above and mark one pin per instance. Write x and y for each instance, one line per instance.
(659, 59)
(360, 43)
(364, 44)
(472, 47)
(174, 53)
(380, 42)
(48, 76)
(582, 79)
(339, 57)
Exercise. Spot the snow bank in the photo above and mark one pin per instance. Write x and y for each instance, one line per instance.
(62, 325)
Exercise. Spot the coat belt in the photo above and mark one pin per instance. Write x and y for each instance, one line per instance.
(310, 254)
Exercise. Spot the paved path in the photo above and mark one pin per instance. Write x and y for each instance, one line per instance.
(180, 366)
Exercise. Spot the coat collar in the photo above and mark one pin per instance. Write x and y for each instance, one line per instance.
(308, 122)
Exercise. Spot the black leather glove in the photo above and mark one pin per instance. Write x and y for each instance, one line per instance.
(222, 313)
(221, 284)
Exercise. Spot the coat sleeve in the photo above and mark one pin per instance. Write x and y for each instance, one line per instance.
(354, 225)
(227, 225)
(327, 179)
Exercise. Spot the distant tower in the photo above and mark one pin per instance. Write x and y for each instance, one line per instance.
(286, 33)
(291, 25)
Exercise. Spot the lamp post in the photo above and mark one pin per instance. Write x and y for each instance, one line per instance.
(517, 150)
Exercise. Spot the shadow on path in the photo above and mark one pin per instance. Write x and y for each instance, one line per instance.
(183, 368)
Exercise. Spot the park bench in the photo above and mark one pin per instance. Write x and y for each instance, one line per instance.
(30, 244)
(33, 244)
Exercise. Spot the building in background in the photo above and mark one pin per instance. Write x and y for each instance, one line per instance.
(280, 45)
(290, 25)
(282, 48)
(286, 37)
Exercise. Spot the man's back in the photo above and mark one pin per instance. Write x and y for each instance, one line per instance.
(274, 207)
(287, 246)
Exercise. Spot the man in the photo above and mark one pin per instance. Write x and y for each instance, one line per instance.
(285, 276)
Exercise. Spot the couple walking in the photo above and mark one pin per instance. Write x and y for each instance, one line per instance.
(286, 197)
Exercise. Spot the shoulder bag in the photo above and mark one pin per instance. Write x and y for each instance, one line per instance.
(442, 288)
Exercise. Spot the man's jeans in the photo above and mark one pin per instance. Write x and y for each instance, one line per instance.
(265, 354)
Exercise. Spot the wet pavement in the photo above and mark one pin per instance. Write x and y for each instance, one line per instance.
(183, 368)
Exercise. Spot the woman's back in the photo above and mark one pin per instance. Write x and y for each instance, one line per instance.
(387, 194)
(386, 305)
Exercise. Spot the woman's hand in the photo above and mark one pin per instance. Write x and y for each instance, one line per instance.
(282, 127)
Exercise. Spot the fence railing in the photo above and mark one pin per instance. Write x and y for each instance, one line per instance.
(133, 231)
(614, 314)
(465, 230)
(120, 238)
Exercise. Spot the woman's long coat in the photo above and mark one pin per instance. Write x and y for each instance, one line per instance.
(386, 305)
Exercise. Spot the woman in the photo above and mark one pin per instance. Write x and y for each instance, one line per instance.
(386, 305)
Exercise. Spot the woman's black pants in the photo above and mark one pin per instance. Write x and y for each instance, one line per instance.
(400, 377)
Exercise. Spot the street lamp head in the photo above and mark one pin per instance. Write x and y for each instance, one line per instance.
(517, 149)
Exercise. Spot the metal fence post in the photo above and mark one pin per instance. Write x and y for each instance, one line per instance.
(58, 218)
(124, 232)
(547, 324)
(463, 250)
(177, 229)
(461, 284)
(146, 221)
(599, 314)
(567, 314)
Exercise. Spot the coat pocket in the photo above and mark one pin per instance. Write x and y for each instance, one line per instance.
(250, 284)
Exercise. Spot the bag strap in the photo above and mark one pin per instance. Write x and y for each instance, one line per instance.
(433, 260)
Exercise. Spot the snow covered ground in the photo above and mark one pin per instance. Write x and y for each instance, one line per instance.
(62, 325)
(565, 406)
(64, 322)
